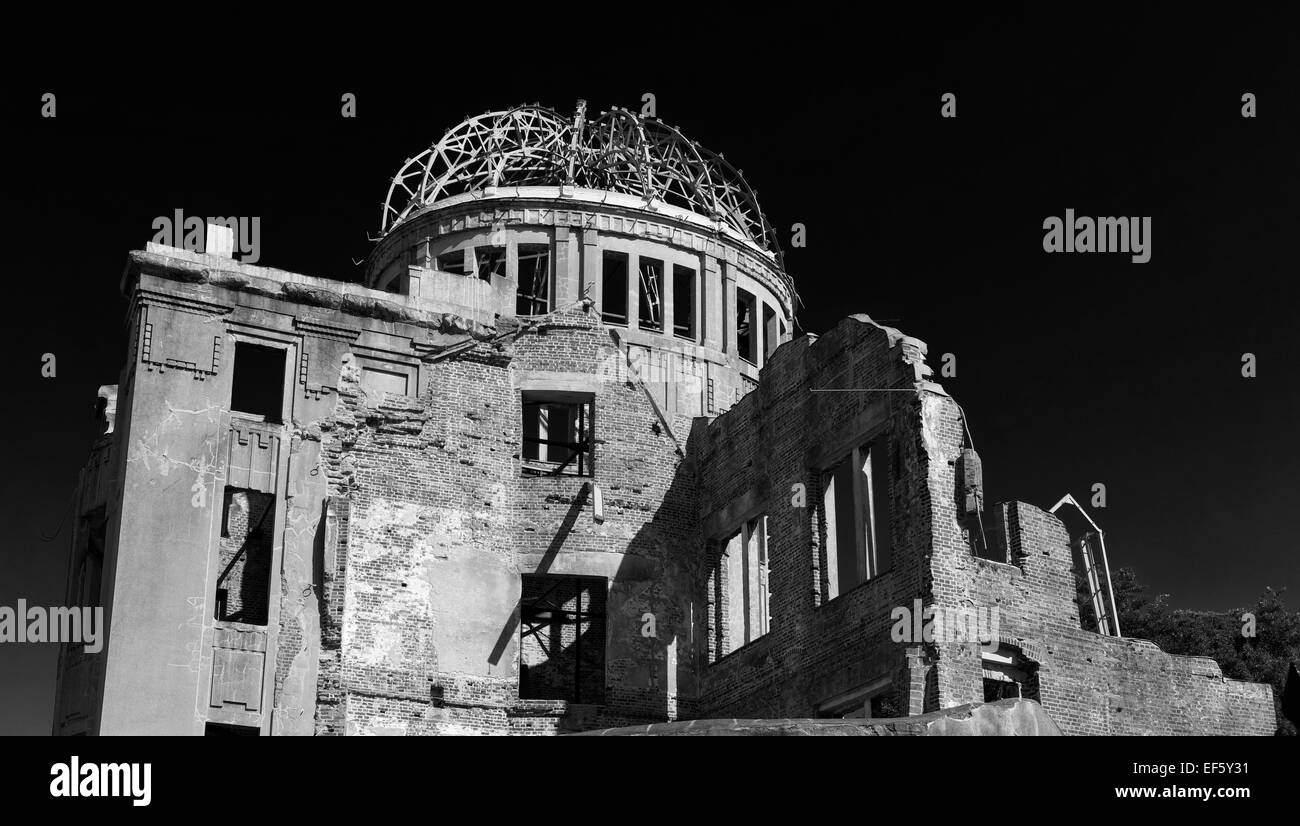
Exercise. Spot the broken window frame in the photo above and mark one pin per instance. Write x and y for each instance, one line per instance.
(867, 497)
(684, 303)
(745, 579)
(533, 289)
(490, 261)
(1007, 667)
(607, 280)
(580, 458)
(747, 326)
(537, 617)
(650, 294)
(446, 261)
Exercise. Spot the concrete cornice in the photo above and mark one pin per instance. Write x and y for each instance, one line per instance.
(304, 290)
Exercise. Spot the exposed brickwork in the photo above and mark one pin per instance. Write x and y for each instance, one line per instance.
(1093, 684)
(438, 506)
(435, 484)
(769, 442)
(1089, 684)
(403, 526)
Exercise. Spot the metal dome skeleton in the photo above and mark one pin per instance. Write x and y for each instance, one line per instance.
(616, 152)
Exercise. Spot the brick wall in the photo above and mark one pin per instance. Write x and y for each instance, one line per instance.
(818, 650)
(782, 435)
(1094, 684)
(442, 523)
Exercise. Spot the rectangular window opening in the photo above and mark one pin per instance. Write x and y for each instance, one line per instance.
(1007, 675)
(562, 638)
(557, 434)
(650, 314)
(855, 518)
(257, 386)
(453, 262)
(244, 562)
(683, 302)
(746, 335)
(94, 527)
(613, 287)
(532, 295)
(742, 612)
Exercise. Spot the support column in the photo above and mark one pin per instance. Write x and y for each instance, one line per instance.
(634, 291)
(666, 296)
(591, 267)
(728, 308)
(564, 275)
(711, 310)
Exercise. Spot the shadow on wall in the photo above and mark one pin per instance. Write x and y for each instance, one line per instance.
(511, 628)
(626, 650)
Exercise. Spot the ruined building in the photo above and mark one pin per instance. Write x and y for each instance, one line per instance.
(560, 463)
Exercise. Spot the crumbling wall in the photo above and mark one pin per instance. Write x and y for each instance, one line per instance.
(427, 583)
(442, 523)
(781, 436)
(1090, 683)
(1005, 718)
(819, 650)
(404, 523)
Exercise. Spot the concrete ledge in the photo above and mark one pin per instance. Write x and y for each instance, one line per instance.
(224, 273)
(1005, 718)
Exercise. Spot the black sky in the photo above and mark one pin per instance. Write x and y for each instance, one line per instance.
(1073, 369)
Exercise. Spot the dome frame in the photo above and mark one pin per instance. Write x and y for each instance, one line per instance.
(617, 151)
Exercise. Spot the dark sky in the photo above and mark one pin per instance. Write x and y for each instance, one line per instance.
(1073, 369)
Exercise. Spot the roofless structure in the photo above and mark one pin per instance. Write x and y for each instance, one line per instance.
(557, 465)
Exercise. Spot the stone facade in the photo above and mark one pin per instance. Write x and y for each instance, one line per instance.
(409, 508)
